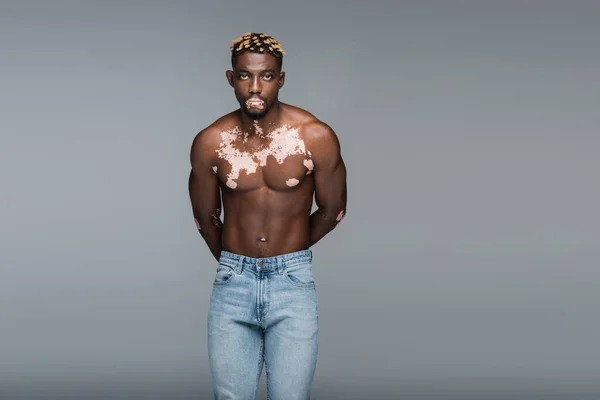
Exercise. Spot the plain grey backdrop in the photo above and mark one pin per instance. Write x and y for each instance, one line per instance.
(468, 264)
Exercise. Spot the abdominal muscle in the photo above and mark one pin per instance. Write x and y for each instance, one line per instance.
(266, 223)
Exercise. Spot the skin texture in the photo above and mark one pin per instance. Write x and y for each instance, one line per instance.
(264, 162)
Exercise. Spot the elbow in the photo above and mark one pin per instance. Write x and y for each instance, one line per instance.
(333, 214)
(206, 221)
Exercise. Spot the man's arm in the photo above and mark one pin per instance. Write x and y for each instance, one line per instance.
(205, 194)
(330, 181)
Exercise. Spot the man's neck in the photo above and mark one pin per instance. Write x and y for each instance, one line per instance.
(261, 127)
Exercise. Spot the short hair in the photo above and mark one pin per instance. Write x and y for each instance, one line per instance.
(257, 43)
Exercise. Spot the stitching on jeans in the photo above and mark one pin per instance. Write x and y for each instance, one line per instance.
(260, 361)
(306, 285)
(223, 282)
(267, 376)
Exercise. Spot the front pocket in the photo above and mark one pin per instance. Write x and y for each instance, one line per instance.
(300, 276)
(223, 276)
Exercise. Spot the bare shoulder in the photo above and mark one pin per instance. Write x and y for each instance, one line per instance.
(207, 140)
(317, 135)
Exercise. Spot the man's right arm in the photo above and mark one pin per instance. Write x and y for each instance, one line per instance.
(205, 194)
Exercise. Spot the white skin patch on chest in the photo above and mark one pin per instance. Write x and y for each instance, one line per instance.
(308, 163)
(284, 142)
(292, 182)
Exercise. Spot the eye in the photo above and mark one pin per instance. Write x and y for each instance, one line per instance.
(268, 77)
(243, 76)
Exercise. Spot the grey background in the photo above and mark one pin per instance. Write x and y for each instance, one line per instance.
(467, 267)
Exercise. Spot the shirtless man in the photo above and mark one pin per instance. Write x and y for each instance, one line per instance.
(264, 161)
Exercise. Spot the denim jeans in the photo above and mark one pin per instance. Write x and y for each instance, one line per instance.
(263, 309)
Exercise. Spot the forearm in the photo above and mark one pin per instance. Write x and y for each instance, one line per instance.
(206, 201)
(323, 221)
(211, 233)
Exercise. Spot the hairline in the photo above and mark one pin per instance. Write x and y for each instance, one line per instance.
(278, 60)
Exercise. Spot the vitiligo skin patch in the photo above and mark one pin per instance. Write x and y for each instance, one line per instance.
(292, 182)
(217, 217)
(284, 142)
(308, 163)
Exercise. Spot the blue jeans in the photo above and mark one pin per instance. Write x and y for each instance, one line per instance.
(263, 309)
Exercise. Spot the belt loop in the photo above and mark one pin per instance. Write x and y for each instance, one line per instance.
(280, 265)
(240, 265)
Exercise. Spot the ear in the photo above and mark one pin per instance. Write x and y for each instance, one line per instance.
(229, 75)
(281, 79)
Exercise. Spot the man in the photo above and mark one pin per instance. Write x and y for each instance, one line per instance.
(264, 161)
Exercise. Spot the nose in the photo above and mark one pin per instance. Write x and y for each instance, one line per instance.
(255, 87)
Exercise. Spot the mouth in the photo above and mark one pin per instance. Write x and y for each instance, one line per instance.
(255, 103)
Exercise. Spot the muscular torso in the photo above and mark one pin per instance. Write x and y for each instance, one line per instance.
(267, 189)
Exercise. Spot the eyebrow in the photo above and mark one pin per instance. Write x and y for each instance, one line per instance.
(261, 72)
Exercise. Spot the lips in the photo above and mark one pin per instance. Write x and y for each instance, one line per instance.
(255, 103)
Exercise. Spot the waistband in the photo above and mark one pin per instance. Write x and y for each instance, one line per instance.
(239, 262)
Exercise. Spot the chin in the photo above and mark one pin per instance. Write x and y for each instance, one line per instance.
(255, 115)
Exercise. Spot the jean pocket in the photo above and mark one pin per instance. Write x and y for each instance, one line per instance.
(224, 275)
(300, 276)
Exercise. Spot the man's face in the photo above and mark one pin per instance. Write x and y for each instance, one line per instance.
(256, 79)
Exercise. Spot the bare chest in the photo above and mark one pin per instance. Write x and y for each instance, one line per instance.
(280, 161)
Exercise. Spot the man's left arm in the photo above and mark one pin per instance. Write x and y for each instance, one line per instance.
(330, 182)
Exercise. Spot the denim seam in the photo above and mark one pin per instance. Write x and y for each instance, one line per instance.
(237, 265)
(295, 263)
(299, 285)
(260, 361)
(267, 375)
(267, 296)
(231, 265)
(223, 283)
